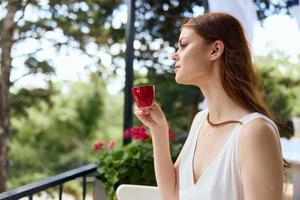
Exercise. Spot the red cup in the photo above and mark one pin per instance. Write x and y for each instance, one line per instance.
(143, 95)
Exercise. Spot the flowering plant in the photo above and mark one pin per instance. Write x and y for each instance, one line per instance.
(99, 145)
(132, 163)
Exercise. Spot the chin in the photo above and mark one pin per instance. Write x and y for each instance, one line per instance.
(178, 79)
(181, 80)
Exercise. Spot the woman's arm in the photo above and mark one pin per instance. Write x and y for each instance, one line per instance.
(261, 161)
(165, 172)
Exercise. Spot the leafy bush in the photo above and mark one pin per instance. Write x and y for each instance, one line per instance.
(49, 138)
(279, 95)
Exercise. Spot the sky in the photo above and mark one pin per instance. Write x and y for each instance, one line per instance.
(279, 32)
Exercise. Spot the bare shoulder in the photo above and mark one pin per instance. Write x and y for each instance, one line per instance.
(260, 160)
(258, 131)
(258, 140)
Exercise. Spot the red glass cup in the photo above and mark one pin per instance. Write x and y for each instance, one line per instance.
(143, 95)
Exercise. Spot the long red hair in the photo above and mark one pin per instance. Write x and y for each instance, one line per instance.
(238, 75)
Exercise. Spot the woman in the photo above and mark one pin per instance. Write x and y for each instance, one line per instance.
(233, 148)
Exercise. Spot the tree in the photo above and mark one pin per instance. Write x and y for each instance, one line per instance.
(81, 22)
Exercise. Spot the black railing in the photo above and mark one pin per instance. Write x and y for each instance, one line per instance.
(58, 180)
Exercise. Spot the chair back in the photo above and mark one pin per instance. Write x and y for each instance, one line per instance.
(137, 192)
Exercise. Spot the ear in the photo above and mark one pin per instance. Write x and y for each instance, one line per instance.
(216, 50)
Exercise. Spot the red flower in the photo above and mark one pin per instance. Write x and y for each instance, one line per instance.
(98, 145)
(139, 133)
(111, 144)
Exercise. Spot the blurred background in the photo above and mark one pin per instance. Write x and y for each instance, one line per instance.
(63, 75)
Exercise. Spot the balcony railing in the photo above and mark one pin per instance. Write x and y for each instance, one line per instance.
(34, 188)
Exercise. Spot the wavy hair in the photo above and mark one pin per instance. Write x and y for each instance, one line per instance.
(238, 75)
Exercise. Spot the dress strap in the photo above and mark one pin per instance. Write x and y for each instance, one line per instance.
(195, 127)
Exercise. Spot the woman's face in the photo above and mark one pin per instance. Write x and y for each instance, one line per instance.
(193, 64)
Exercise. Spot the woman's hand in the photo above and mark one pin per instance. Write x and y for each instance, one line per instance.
(152, 117)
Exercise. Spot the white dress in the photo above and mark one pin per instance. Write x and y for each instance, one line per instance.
(221, 180)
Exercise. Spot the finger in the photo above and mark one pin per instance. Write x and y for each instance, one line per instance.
(145, 112)
(135, 107)
(141, 112)
(138, 112)
(144, 118)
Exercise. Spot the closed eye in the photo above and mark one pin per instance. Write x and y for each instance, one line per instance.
(182, 46)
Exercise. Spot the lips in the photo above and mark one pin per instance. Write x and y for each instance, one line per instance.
(176, 68)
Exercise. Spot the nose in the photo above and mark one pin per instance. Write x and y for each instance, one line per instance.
(175, 56)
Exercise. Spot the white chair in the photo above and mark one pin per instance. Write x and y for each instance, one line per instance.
(137, 192)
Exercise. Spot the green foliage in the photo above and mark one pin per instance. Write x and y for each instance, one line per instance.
(277, 96)
(25, 98)
(111, 123)
(280, 82)
(296, 107)
(34, 66)
(52, 139)
(279, 100)
(131, 164)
